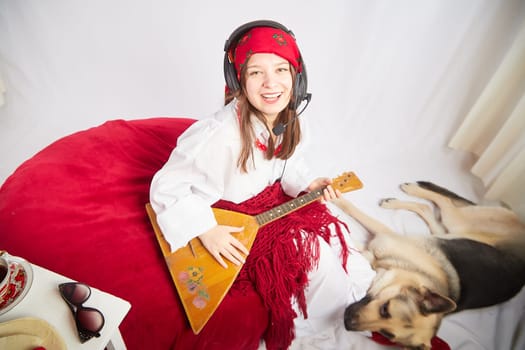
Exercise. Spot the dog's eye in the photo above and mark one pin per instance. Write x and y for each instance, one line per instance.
(383, 310)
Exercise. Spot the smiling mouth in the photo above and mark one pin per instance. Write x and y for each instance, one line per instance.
(272, 96)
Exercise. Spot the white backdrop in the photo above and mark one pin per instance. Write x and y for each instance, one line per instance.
(391, 80)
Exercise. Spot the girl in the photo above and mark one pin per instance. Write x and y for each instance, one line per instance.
(249, 157)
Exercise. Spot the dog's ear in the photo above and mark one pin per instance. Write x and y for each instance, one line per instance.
(432, 302)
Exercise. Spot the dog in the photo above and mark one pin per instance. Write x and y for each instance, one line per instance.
(474, 257)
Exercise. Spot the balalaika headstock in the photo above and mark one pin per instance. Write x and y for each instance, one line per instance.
(347, 182)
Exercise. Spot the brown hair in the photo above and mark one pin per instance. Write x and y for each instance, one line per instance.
(291, 134)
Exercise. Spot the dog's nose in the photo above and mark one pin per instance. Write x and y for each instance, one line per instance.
(351, 316)
(351, 322)
(351, 319)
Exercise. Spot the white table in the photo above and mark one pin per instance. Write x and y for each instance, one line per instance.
(44, 301)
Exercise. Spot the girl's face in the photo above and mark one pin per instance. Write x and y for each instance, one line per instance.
(268, 84)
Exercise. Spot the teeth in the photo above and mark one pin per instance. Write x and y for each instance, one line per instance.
(274, 95)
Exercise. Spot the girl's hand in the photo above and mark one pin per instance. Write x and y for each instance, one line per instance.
(328, 193)
(220, 243)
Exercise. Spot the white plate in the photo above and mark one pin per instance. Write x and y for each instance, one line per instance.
(20, 281)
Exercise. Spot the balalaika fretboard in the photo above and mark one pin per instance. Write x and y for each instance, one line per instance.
(288, 207)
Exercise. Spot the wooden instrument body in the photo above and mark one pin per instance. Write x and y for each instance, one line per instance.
(199, 279)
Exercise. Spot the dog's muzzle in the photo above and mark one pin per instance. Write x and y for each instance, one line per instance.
(351, 317)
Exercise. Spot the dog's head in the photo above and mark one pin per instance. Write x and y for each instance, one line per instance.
(406, 314)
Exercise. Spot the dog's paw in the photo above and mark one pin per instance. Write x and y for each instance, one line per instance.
(388, 203)
(409, 187)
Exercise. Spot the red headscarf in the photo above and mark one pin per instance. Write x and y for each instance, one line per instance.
(265, 40)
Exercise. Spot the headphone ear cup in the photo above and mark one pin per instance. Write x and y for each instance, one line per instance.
(300, 88)
(230, 76)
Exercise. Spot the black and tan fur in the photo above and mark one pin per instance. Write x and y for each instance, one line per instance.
(474, 258)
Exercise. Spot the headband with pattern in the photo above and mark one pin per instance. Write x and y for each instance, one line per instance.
(265, 40)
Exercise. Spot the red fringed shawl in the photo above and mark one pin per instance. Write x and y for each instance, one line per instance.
(283, 253)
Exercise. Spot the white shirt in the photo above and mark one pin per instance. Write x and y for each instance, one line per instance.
(203, 169)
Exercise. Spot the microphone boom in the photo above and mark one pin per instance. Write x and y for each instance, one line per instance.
(279, 128)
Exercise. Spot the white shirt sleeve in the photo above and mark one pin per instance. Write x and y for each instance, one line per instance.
(192, 179)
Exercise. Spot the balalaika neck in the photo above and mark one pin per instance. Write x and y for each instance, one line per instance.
(288, 207)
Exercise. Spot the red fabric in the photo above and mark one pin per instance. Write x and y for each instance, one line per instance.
(436, 343)
(265, 40)
(77, 208)
(283, 253)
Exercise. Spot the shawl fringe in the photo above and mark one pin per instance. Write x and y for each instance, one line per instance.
(283, 253)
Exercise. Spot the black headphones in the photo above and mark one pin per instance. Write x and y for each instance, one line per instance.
(230, 74)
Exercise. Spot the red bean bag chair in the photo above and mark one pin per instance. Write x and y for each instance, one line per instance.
(78, 208)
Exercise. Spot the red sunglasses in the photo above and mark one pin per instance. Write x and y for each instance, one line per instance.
(89, 320)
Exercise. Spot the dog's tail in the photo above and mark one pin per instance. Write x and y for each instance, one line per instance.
(438, 189)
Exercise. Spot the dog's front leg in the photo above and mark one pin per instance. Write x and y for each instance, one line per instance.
(424, 211)
(370, 224)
